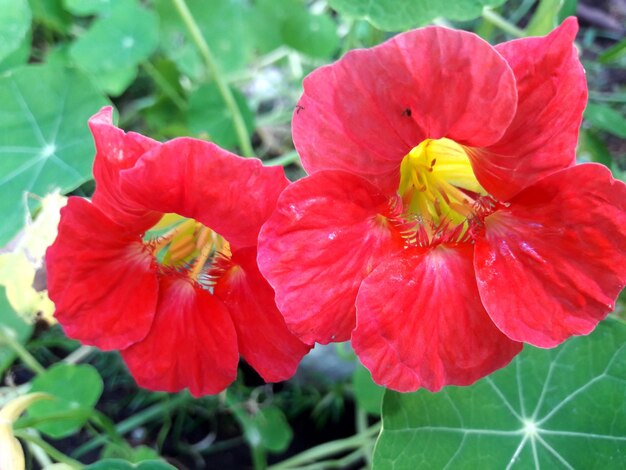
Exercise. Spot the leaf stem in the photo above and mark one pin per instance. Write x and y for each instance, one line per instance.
(214, 72)
(284, 160)
(506, 26)
(328, 448)
(7, 337)
(48, 449)
(134, 421)
(163, 84)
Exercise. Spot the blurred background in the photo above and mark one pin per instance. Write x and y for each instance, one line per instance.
(169, 74)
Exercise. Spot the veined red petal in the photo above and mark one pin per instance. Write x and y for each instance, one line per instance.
(192, 343)
(364, 113)
(420, 322)
(263, 338)
(552, 94)
(101, 280)
(199, 180)
(328, 232)
(551, 264)
(117, 151)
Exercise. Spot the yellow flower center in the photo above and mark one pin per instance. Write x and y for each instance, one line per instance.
(185, 243)
(437, 183)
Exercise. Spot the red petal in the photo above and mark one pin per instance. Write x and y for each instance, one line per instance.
(117, 151)
(192, 343)
(199, 180)
(420, 323)
(328, 232)
(552, 264)
(364, 113)
(264, 340)
(101, 279)
(552, 94)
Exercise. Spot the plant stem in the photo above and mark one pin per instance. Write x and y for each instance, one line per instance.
(79, 354)
(163, 84)
(497, 20)
(361, 427)
(213, 71)
(327, 449)
(283, 160)
(257, 452)
(134, 421)
(345, 462)
(48, 449)
(7, 337)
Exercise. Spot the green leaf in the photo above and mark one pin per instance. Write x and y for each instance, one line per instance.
(613, 53)
(19, 56)
(14, 25)
(76, 388)
(592, 148)
(545, 18)
(16, 326)
(554, 408)
(225, 25)
(116, 464)
(51, 14)
(275, 432)
(45, 143)
(114, 45)
(122, 450)
(607, 119)
(314, 35)
(398, 15)
(367, 393)
(209, 118)
(88, 7)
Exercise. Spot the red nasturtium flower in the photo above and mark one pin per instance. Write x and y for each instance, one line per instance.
(162, 263)
(444, 223)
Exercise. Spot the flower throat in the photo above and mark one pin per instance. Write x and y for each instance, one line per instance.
(438, 186)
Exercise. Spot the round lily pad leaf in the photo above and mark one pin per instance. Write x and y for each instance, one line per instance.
(398, 15)
(117, 43)
(117, 464)
(14, 25)
(76, 389)
(45, 143)
(209, 118)
(555, 408)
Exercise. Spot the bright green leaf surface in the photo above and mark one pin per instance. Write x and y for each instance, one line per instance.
(606, 118)
(52, 14)
(314, 35)
(19, 56)
(209, 118)
(45, 143)
(88, 7)
(12, 322)
(397, 15)
(116, 464)
(114, 45)
(555, 408)
(76, 389)
(368, 395)
(225, 25)
(272, 425)
(15, 19)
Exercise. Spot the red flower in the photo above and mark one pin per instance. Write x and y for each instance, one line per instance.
(161, 264)
(443, 223)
